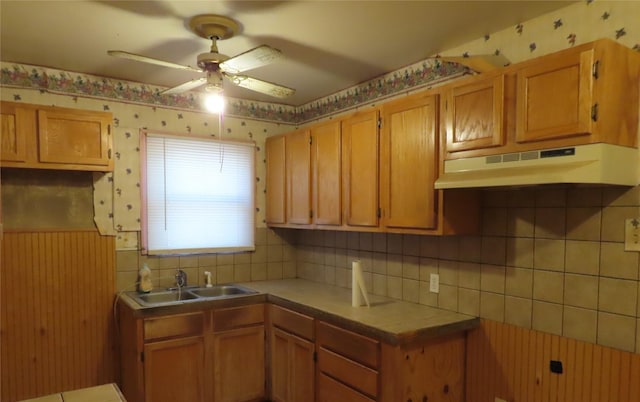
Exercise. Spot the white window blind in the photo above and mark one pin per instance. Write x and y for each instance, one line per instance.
(199, 195)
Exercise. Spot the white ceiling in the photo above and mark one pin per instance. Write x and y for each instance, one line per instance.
(328, 45)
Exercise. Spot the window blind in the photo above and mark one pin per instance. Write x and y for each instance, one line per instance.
(199, 195)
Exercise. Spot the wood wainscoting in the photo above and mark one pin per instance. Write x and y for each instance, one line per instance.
(56, 327)
(512, 363)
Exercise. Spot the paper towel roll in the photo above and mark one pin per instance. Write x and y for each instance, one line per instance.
(358, 289)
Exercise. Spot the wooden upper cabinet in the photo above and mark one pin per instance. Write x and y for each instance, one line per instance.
(581, 95)
(554, 98)
(276, 180)
(298, 172)
(44, 137)
(16, 124)
(409, 162)
(360, 147)
(584, 95)
(326, 161)
(74, 137)
(475, 114)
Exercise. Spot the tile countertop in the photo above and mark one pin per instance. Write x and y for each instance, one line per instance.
(100, 393)
(390, 320)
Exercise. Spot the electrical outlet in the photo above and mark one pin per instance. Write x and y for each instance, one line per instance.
(632, 234)
(434, 283)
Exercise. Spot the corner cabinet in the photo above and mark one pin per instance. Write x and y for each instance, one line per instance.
(276, 194)
(291, 355)
(582, 95)
(43, 137)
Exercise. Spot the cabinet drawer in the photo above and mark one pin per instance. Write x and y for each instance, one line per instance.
(356, 347)
(176, 325)
(292, 322)
(349, 372)
(330, 390)
(228, 318)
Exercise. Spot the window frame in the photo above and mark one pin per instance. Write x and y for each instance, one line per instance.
(144, 133)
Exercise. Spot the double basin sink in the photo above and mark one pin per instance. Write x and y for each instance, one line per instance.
(189, 294)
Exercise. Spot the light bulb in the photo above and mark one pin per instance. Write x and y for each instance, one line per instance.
(214, 103)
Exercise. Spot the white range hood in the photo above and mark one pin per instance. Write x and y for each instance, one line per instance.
(582, 164)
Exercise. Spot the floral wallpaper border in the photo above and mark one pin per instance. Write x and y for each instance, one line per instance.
(77, 84)
(575, 24)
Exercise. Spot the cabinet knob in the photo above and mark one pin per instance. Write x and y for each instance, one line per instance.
(445, 389)
(425, 399)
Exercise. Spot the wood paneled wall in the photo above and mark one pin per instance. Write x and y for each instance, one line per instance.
(56, 327)
(512, 363)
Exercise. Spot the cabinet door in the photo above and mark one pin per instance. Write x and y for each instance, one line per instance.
(325, 150)
(298, 167)
(475, 115)
(280, 365)
(554, 98)
(360, 144)
(330, 390)
(174, 370)
(16, 125)
(409, 163)
(239, 365)
(292, 368)
(276, 181)
(77, 137)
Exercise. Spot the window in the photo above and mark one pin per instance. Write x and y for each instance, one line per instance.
(198, 195)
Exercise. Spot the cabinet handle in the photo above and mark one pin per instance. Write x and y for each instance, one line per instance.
(109, 154)
(595, 68)
(594, 112)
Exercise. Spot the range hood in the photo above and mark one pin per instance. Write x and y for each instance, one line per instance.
(582, 164)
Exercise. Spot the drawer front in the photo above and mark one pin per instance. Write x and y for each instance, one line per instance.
(349, 372)
(290, 321)
(330, 390)
(356, 347)
(235, 317)
(171, 326)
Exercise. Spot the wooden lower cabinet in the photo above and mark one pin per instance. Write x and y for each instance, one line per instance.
(174, 370)
(220, 356)
(239, 365)
(292, 367)
(203, 356)
(291, 357)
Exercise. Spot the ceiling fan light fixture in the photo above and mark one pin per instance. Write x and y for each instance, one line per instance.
(214, 102)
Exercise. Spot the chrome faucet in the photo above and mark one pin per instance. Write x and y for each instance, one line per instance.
(181, 278)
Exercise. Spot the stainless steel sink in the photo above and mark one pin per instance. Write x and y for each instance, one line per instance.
(163, 297)
(221, 291)
(189, 294)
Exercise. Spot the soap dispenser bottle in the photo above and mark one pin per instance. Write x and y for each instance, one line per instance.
(207, 279)
(144, 280)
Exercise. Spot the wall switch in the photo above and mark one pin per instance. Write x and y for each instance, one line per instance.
(434, 283)
(632, 234)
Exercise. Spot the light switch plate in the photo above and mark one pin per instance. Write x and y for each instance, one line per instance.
(632, 234)
(434, 283)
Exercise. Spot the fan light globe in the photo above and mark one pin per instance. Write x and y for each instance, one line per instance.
(214, 103)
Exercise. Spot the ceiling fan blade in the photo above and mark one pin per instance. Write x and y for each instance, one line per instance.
(185, 87)
(480, 63)
(265, 87)
(256, 57)
(145, 59)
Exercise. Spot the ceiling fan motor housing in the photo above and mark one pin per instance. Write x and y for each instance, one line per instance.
(210, 61)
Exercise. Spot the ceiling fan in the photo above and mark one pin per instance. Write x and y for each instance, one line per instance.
(216, 65)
